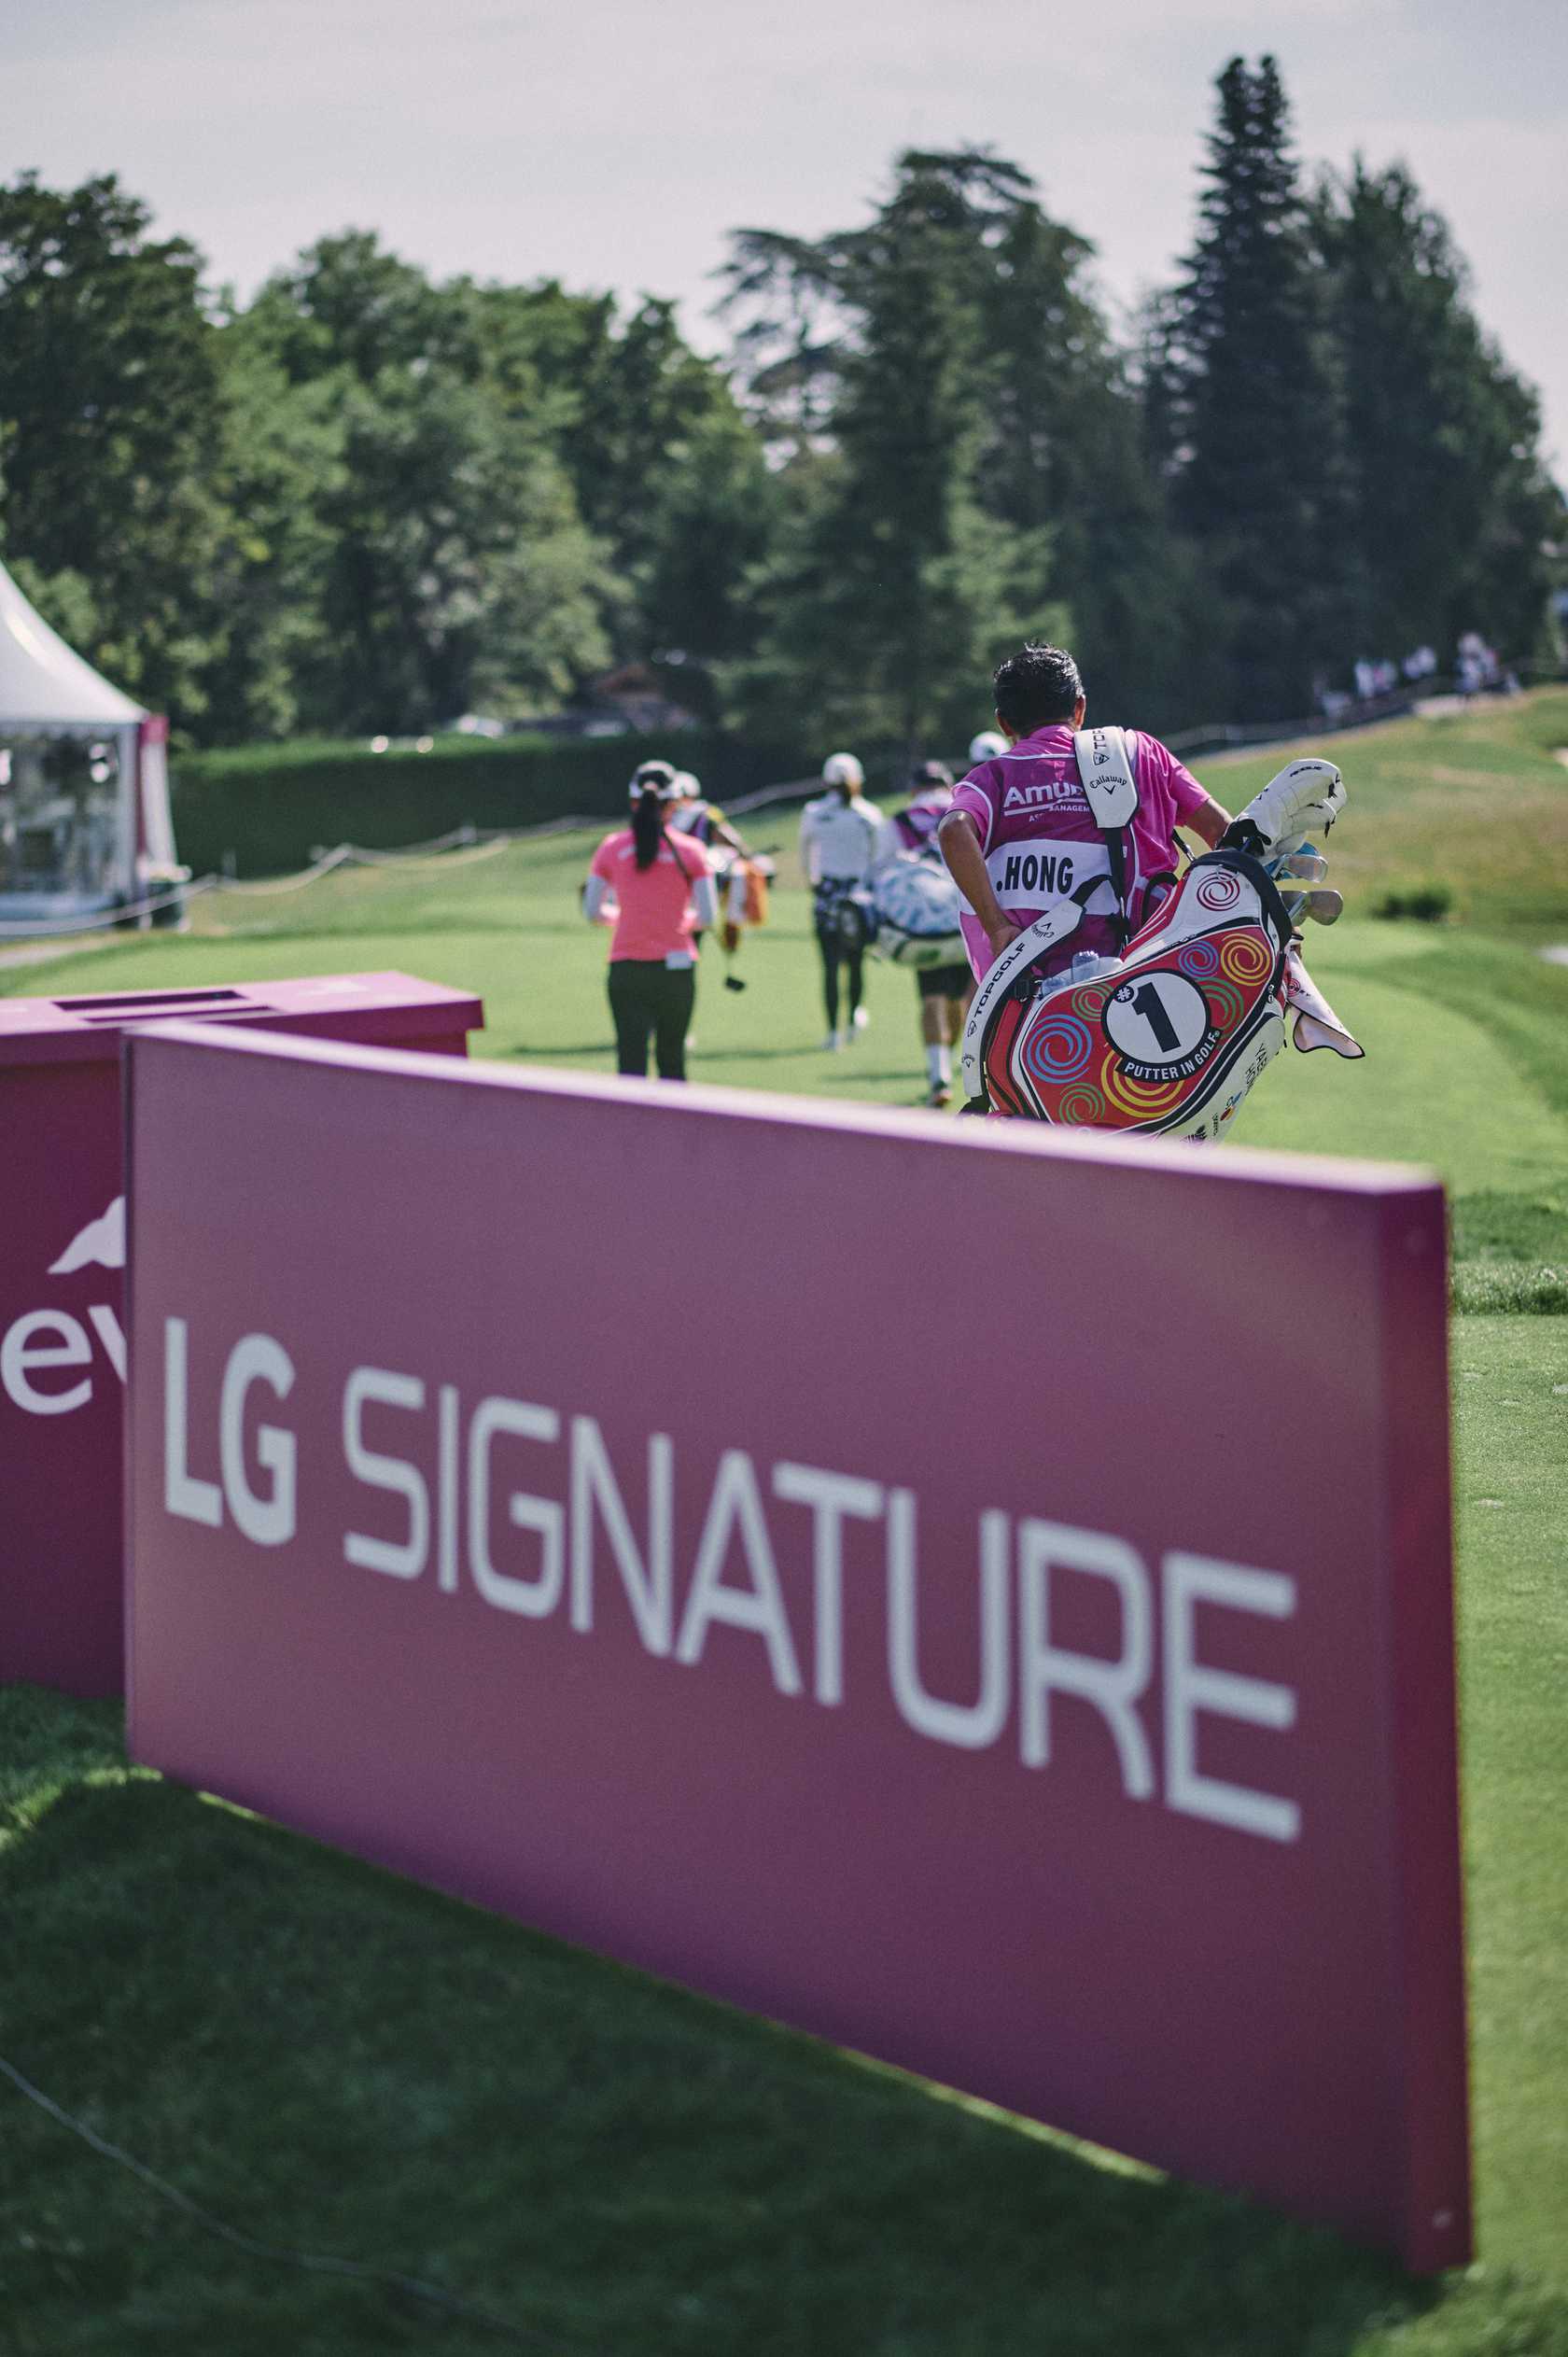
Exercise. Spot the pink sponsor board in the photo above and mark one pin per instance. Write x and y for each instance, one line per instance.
(61, 1253)
(947, 1604)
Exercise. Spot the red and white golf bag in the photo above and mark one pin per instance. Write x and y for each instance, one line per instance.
(1168, 1038)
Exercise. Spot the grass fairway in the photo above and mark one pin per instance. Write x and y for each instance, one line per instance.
(330, 2058)
(1510, 1380)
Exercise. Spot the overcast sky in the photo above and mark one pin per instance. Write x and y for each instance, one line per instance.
(611, 144)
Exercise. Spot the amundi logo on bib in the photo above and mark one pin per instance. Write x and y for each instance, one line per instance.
(1045, 791)
(47, 1357)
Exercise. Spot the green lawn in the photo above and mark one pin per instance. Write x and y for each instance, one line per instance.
(1510, 1377)
(329, 2058)
(1464, 1024)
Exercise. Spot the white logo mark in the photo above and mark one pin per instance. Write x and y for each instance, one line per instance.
(101, 1240)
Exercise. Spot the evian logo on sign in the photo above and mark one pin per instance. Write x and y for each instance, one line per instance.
(40, 1347)
(103, 1239)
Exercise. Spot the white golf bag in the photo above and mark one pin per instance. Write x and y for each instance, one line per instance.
(908, 912)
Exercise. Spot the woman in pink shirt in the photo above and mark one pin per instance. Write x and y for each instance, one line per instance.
(655, 889)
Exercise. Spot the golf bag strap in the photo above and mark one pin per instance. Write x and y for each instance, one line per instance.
(693, 875)
(1111, 790)
(1058, 924)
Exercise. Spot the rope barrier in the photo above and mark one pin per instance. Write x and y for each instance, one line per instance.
(459, 848)
(342, 855)
(464, 844)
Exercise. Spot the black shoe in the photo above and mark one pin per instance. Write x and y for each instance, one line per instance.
(734, 982)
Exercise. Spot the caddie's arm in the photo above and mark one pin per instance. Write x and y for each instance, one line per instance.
(1208, 822)
(960, 843)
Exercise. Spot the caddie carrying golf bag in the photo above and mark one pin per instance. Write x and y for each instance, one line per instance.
(1168, 1037)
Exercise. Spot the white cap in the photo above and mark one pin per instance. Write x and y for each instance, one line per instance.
(987, 746)
(841, 769)
(686, 788)
(654, 776)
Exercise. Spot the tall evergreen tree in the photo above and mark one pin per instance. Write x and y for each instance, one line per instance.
(1451, 501)
(1251, 409)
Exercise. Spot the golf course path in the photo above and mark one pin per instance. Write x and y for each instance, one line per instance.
(45, 953)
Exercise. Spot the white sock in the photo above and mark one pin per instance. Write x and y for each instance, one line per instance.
(938, 1067)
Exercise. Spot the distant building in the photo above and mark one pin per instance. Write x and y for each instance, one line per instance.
(636, 694)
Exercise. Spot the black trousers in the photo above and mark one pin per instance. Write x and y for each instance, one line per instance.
(837, 950)
(652, 1001)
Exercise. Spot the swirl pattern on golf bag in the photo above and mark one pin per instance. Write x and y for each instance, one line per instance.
(1171, 1038)
(1058, 1046)
(1198, 958)
(1246, 956)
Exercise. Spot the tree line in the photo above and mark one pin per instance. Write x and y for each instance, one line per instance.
(367, 500)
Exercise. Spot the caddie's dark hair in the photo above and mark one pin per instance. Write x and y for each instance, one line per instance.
(1036, 685)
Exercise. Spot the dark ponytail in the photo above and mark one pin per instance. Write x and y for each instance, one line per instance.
(648, 828)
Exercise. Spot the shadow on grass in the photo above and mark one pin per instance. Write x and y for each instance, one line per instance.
(526, 1055)
(372, 922)
(332, 2058)
(790, 1052)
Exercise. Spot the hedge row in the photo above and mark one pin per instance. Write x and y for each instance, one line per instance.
(263, 810)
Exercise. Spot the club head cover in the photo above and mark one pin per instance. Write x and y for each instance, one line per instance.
(1303, 798)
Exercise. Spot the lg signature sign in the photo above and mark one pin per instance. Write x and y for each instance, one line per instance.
(522, 1505)
(949, 1668)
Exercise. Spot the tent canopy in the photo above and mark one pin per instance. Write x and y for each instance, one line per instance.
(43, 683)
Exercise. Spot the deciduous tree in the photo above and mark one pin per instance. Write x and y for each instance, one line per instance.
(110, 428)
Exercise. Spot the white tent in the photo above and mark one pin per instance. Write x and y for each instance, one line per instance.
(84, 787)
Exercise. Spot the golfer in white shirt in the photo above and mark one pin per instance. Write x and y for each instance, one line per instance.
(838, 842)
